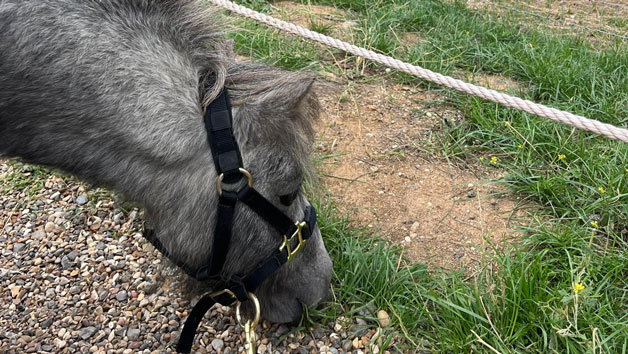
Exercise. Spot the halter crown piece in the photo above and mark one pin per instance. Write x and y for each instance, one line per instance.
(240, 287)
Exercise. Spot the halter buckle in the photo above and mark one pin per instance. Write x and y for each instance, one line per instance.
(244, 172)
(287, 241)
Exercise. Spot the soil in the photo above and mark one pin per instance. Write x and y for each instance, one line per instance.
(375, 140)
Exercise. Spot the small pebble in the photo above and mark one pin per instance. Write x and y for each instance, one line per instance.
(218, 344)
(65, 262)
(121, 295)
(17, 247)
(49, 227)
(81, 199)
(87, 332)
(383, 318)
(133, 334)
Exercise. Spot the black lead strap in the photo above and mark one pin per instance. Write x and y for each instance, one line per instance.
(228, 162)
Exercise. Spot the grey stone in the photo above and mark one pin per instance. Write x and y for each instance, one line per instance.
(121, 295)
(117, 218)
(347, 345)
(47, 323)
(218, 344)
(87, 332)
(81, 199)
(18, 246)
(319, 332)
(65, 262)
(133, 334)
(72, 255)
(103, 295)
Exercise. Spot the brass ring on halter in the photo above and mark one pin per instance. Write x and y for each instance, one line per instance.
(244, 172)
(257, 311)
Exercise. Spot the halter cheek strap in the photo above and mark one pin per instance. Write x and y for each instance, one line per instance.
(236, 288)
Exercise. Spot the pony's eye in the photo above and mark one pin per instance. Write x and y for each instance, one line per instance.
(288, 199)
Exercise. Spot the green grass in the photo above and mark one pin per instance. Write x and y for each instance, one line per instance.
(28, 181)
(524, 300)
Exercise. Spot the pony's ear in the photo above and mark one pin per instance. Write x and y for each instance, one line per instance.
(289, 95)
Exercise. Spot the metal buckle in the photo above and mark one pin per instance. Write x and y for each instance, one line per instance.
(228, 292)
(287, 241)
(244, 172)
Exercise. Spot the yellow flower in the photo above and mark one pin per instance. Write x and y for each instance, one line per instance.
(482, 158)
(578, 287)
(519, 147)
(594, 224)
(601, 190)
(494, 160)
(562, 157)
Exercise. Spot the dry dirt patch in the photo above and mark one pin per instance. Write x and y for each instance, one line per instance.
(380, 174)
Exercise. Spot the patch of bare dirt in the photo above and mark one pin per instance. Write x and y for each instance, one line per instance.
(411, 39)
(375, 138)
(494, 81)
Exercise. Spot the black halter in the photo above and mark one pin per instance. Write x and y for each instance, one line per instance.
(228, 162)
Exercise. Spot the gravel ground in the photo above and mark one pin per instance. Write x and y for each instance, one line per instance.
(77, 276)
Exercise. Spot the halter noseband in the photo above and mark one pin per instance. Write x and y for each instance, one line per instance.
(236, 288)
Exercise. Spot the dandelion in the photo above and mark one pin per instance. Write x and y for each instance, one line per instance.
(494, 160)
(602, 190)
(481, 158)
(594, 224)
(578, 287)
(562, 157)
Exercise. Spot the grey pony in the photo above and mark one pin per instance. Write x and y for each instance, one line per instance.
(108, 90)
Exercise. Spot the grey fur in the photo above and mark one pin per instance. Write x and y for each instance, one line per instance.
(108, 90)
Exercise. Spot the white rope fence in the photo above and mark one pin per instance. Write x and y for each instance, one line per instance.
(577, 121)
